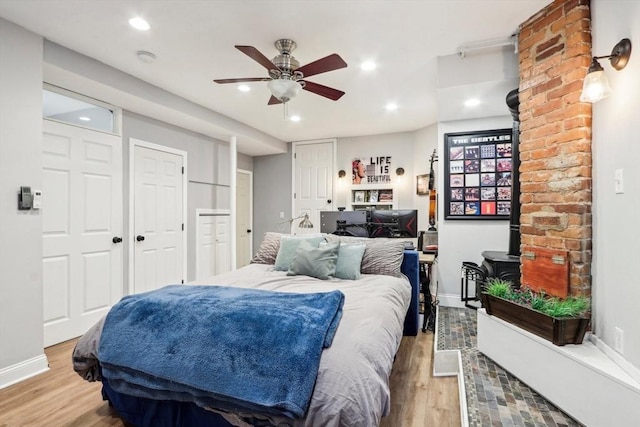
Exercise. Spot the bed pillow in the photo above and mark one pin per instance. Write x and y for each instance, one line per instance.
(268, 250)
(349, 260)
(317, 262)
(288, 247)
(381, 255)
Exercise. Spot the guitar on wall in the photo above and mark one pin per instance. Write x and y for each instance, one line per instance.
(432, 193)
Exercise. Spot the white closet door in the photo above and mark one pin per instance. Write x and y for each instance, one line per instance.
(158, 219)
(213, 253)
(243, 218)
(81, 215)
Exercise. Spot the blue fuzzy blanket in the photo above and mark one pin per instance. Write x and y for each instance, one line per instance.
(234, 349)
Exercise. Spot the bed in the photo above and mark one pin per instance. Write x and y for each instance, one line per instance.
(350, 387)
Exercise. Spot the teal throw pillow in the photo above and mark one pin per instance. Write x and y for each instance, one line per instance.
(349, 261)
(315, 262)
(287, 250)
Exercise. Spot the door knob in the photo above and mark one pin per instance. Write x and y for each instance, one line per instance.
(139, 238)
(329, 201)
(116, 239)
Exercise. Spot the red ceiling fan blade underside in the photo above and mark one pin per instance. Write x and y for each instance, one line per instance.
(328, 63)
(327, 92)
(248, 79)
(257, 56)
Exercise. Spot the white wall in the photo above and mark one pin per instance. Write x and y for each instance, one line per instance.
(21, 317)
(465, 240)
(397, 145)
(425, 141)
(616, 145)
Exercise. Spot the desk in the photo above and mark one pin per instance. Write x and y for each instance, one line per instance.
(426, 264)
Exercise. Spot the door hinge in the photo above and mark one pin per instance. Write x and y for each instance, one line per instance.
(183, 170)
(182, 281)
(295, 195)
(295, 155)
(183, 226)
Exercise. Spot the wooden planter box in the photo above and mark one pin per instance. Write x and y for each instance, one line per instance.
(559, 331)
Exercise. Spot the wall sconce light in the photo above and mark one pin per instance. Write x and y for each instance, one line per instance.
(342, 174)
(399, 173)
(596, 85)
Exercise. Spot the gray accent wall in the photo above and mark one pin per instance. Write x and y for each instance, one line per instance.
(21, 305)
(272, 193)
(245, 162)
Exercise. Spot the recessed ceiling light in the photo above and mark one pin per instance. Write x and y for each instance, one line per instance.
(391, 106)
(146, 57)
(472, 102)
(84, 118)
(368, 66)
(294, 118)
(244, 88)
(139, 23)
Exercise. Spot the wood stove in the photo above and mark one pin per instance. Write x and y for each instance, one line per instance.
(506, 265)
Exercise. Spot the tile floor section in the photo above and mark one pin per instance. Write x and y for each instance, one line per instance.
(494, 397)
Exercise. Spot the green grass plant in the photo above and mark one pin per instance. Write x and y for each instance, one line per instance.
(573, 306)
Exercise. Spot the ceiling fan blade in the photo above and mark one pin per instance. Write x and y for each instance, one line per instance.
(328, 63)
(248, 79)
(255, 54)
(273, 100)
(327, 92)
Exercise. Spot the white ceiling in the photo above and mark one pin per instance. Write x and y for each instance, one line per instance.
(194, 44)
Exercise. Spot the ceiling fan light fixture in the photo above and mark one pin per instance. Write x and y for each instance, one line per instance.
(284, 89)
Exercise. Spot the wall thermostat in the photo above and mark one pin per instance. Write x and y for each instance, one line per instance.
(37, 199)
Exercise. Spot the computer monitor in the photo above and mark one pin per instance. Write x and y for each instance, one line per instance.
(393, 223)
(348, 223)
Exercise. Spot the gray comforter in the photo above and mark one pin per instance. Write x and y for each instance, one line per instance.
(352, 387)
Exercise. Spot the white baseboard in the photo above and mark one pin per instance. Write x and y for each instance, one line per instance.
(450, 300)
(453, 300)
(624, 364)
(23, 370)
(447, 363)
(579, 379)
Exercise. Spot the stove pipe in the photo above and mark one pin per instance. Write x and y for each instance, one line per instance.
(513, 102)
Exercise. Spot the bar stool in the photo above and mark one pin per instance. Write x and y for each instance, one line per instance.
(471, 274)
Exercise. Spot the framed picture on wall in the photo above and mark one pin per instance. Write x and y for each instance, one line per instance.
(422, 185)
(477, 174)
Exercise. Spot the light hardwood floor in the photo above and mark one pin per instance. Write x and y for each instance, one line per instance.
(60, 397)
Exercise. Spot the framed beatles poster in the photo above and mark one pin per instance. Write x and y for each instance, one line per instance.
(477, 172)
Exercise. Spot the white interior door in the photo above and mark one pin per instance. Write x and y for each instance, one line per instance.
(213, 244)
(222, 254)
(313, 181)
(81, 221)
(244, 196)
(158, 230)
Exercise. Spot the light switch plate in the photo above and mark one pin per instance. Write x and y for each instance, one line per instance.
(619, 181)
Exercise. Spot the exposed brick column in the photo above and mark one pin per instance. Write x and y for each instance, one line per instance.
(555, 140)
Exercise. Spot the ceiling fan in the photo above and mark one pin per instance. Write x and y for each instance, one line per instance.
(286, 76)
